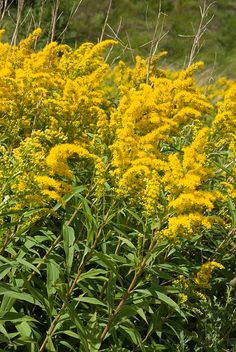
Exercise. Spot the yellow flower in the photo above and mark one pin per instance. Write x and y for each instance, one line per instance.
(26, 43)
(52, 188)
(204, 274)
(182, 298)
(184, 225)
(59, 155)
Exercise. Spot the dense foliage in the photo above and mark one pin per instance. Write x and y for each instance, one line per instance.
(117, 203)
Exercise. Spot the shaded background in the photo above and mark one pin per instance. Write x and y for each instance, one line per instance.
(134, 22)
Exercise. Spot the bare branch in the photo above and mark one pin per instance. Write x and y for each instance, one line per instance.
(20, 6)
(158, 35)
(132, 54)
(115, 34)
(202, 27)
(43, 2)
(4, 7)
(106, 20)
(116, 37)
(53, 21)
(73, 12)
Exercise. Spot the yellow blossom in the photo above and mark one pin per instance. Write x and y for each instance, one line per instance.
(204, 274)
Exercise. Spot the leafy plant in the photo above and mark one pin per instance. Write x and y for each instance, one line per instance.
(118, 204)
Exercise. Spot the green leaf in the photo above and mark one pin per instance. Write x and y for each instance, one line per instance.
(16, 317)
(93, 274)
(68, 345)
(90, 300)
(53, 273)
(140, 312)
(69, 333)
(7, 304)
(125, 312)
(50, 345)
(37, 293)
(4, 331)
(135, 215)
(93, 334)
(10, 292)
(111, 288)
(69, 248)
(4, 270)
(169, 301)
(27, 264)
(232, 210)
(76, 190)
(128, 243)
(24, 329)
(5, 260)
(132, 334)
(81, 330)
(105, 260)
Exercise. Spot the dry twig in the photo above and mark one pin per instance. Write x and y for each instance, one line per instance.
(53, 21)
(106, 20)
(202, 27)
(158, 35)
(20, 6)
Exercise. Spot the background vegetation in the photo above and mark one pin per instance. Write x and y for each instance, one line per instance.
(134, 22)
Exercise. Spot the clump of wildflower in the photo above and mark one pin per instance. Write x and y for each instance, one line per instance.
(183, 178)
(52, 188)
(147, 117)
(184, 225)
(182, 298)
(189, 291)
(59, 155)
(28, 42)
(224, 122)
(204, 274)
(57, 162)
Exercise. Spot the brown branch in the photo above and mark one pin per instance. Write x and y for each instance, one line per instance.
(158, 35)
(4, 7)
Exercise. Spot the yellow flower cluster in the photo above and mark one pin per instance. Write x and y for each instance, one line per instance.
(195, 288)
(204, 274)
(148, 134)
(184, 177)
(187, 290)
(224, 123)
(59, 155)
(52, 188)
(50, 97)
(55, 87)
(23, 164)
(223, 135)
(148, 116)
(57, 162)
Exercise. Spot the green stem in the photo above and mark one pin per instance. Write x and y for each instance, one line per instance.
(128, 292)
